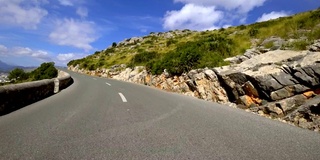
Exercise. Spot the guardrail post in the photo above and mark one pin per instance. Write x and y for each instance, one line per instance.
(56, 85)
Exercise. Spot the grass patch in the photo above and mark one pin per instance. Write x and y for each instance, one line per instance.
(300, 45)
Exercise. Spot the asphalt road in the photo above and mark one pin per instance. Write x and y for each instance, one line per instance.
(98, 118)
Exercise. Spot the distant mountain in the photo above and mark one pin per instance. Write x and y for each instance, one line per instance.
(6, 67)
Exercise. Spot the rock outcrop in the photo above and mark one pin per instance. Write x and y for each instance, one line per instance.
(276, 83)
(282, 84)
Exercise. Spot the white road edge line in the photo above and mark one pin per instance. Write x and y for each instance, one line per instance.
(123, 98)
(108, 84)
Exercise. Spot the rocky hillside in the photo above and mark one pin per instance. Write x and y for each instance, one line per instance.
(181, 51)
(270, 68)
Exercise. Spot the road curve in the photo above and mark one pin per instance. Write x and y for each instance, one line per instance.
(98, 118)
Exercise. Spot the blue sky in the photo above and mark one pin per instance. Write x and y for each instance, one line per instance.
(37, 31)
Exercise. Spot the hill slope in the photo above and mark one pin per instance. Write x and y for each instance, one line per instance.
(181, 51)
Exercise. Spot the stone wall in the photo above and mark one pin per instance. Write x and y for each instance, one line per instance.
(16, 96)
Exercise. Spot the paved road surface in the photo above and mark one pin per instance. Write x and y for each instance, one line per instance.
(98, 118)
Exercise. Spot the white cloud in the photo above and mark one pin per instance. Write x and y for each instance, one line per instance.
(70, 32)
(66, 57)
(82, 12)
(192, 17)
(209, 14)
(21, 13)
(25, 56)
(66, 2)
(25, 51)
(3, 49)
(21, 52)
(243, 6)
(272, 15)
(71, 2)
(63, 59)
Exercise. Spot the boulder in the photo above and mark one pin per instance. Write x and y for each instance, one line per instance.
(246, 101)
(250, 53)
(277, 43)
(275, 75)
(206, 84)
(122, 75)
(307, 115)
(250, 90)
(282, 93)
(315, 47)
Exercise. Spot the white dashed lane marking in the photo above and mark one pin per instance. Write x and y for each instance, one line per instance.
(123, 97)
(108, 84)
(94, 78)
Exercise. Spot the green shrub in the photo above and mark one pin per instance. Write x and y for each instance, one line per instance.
(92, 67)
(221, 29)
(268, 45)
(45, 71)
(170, 42)
(109, 50)
(315, 15)
(206, 52)
(143, 58)
(148, 41)
(114, 44)
(314, 34)
(253, 32)
(300, 45)
(72, 63)
(96, 52)
(83, 65)
(18, 75)
(242, 27)
(100, 63)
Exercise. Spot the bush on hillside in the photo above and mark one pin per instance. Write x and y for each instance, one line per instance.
(75, 62)
(96, 52)
(300, 45)
(109, 50)
(315, 15)
(18, 75)
(242, 27)
(114, 44)
(170, 42)
(314, 34)
(143, 58)
(45, 71)
(206, 52)
(253, 32)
